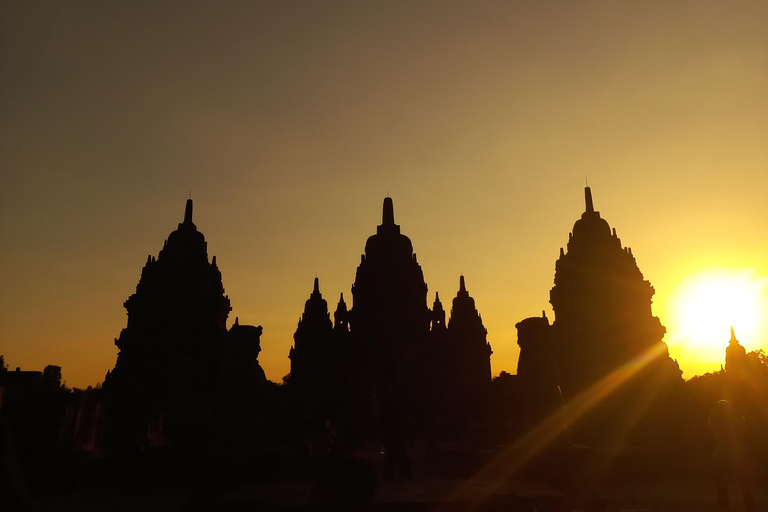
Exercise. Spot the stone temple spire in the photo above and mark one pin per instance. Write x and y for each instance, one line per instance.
(438, 314)
(311, 340)
(388, 219)
(590, 208)
(187, 224)
(470, 360)
(341, 316)
(388, 214)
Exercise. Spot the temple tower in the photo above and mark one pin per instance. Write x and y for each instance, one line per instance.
(468, 350)
(341, 317)
(603, 319)
(311, 352)
(167, 368)
(389, 319)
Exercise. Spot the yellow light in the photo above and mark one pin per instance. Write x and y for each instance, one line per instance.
(706, 305)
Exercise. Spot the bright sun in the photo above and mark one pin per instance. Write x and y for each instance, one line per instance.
(706, 305)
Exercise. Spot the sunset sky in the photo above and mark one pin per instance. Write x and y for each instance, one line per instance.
(291, 121)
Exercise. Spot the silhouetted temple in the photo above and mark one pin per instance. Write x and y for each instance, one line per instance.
(738, 376)
(468, 353)
(390, 343)
(175, 349)
(180, 373)
(312, 338)
(389, 318)
(604, 329)
(314, 353)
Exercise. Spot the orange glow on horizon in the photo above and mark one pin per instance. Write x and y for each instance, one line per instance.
(706, 304)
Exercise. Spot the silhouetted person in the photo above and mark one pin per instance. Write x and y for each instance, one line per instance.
(731, 464)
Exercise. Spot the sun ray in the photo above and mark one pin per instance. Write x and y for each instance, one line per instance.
(513, 457)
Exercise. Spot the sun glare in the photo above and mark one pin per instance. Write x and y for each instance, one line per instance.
(706, 305)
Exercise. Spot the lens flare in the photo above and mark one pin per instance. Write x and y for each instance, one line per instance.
(475, 491)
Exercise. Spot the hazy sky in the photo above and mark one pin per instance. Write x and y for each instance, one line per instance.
(291, 121)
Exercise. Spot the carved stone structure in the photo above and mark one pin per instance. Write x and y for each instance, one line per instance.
(537, 370)
(312, 341)
(390, 343)
(313, 355)
(604, 328)
(468, 351)
(175, 348)
(389, 319)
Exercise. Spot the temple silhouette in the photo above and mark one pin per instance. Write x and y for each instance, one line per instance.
(179, 366)
(181, 375)
(177, 360)
(602, 305)
(390, 344)
(604, 335)
(386, 386)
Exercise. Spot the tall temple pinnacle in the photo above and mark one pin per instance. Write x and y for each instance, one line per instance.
(388, 213)
(341, 316)
(388, 225)
(438, 314)
(188, 216)
(469, 361)
(590, 208)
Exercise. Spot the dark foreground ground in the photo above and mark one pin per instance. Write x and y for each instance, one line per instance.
(417, 495)
(629, 480)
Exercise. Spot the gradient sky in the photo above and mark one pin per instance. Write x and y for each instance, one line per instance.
(291, 121)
